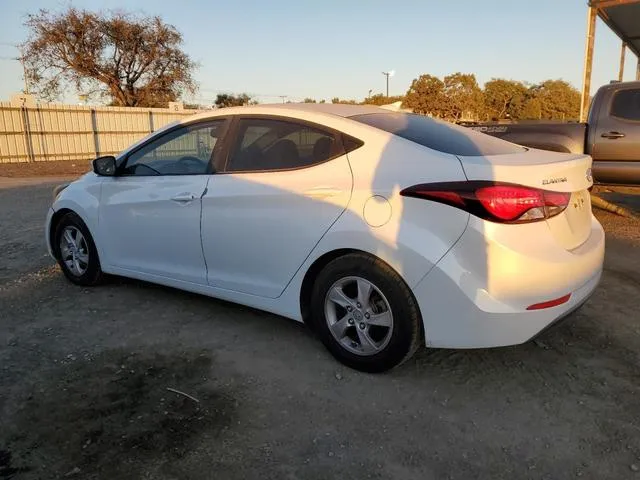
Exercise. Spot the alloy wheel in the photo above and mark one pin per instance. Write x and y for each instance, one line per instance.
(358, 315)
(74, 251)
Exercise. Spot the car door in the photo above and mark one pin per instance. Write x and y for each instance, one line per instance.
(150, 212)
(617, 135)
(285, 183)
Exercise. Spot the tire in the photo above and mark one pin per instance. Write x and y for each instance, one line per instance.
(79, 263)
(388, 317)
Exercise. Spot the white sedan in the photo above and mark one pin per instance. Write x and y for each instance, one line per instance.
(382, 230)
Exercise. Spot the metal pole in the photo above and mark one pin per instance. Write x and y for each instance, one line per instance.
(588, 63)
(386, 74)
(24, 72)
(621, 70)
(26, 80)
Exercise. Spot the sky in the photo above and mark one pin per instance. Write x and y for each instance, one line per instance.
(339, 48)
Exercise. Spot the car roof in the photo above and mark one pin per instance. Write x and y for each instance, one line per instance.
(339, 109)
(293, 109)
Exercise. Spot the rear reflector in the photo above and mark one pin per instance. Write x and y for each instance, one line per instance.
(495, 201)
(550, 303)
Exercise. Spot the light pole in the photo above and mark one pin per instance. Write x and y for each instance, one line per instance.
(388, 74)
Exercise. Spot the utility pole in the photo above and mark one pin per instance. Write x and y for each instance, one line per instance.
(621, 71)
(588, 62)
(24, 74)
(388, 74)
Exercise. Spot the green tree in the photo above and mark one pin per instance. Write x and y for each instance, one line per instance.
(463, 95)
(228, 100)
(504, 98)
(558, 100)
(380, 99)
(338, 100)
(531, 108)
(131, 60)
(309, 100)
(426, 96)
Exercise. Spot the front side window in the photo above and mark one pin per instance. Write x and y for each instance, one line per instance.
(184, 151)
(266, 145)
(626, 104)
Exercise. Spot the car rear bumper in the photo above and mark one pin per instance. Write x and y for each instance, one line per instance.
(477, 295)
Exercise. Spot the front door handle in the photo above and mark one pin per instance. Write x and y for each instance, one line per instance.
(184, 198)
(612, 135)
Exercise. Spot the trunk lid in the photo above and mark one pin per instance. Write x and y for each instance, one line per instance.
(557, 172)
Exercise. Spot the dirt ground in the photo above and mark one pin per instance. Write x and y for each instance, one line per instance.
(85, 373)
(44, 169)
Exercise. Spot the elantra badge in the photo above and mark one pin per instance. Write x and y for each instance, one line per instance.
(550, 181)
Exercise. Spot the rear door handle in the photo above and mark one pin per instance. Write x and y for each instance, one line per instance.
(184, 198)
(612, 135)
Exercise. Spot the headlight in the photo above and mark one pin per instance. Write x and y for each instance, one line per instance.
(59, 188)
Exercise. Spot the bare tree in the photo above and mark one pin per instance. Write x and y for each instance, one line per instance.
(133, 60)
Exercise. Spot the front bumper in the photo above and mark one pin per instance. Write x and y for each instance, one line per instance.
(47, 231)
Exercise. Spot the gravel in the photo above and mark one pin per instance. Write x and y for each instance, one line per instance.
(84, 376)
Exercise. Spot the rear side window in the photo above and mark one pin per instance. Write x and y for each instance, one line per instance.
(438, 135)
(626, 104)
(268, 145)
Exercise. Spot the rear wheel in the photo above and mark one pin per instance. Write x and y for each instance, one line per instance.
(365, 314)
(76, 252)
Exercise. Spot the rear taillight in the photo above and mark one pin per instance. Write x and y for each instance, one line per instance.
(498, 202)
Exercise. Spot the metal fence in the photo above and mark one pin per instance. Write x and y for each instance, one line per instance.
(47, 132)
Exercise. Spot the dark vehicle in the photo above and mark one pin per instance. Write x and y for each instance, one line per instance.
(611, 135)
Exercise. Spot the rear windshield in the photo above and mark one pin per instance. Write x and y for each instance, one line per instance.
(438, 135)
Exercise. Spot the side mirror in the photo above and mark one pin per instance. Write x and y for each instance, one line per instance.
(105, 166)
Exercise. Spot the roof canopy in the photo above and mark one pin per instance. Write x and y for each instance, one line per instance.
(623, 18)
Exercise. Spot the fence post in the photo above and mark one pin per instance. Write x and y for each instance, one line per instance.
(150, 121)
(43, 141)
(94, 129)
(27, 134)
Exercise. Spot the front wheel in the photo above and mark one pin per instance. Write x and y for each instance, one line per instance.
(365, 314)
(76, 252)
